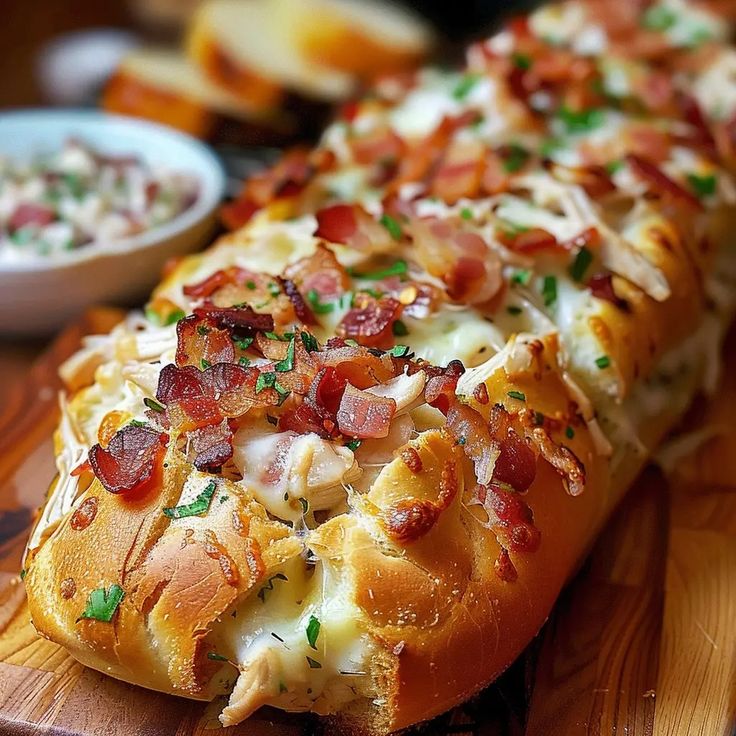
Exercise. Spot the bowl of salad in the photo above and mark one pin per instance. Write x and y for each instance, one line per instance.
(92, 206)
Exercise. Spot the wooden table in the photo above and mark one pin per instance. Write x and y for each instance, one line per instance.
(642, 643)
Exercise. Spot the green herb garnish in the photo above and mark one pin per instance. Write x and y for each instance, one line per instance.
(204, 364)
(171, 318)
(313, 631)
(466, 213)
(269, 585)
(516, 158)
(392, 226)
(287, 363)
(569, 432)
(318, 306)
(199, 506)
(703, 186)
(305, 505)
(399, 328)
(399, 351)
(549, 290)
(522, 277)
(396, 269)
(613, 166)
(217, 657)
(658, 18)
(522, 61)
(102, 604)
(603, 361)
(581, 121)
(464, 86)
(243, 343)
(514, 310)
(583, 259)
(310, 342)
(353, 445)
(519, 395)
(154, 405)
(314, 664)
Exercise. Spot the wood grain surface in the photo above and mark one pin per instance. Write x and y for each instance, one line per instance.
(642, 642)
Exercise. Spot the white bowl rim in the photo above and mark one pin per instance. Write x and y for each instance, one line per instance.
(210, 195)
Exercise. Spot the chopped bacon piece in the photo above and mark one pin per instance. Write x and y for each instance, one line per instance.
(237, 213)
(460, 171)
(176, 383)
(661, 183)
(371, 320)
(30, 214)
(361, 367)
(469, 428)
(593, 178)
(321, 272)
(192, 413)
(377, 146)
(208, 286)
(85, 514)
(362, 414)
(588, 238)
(562, 459)
(516, 464)
(212, 446)
(303, 313)
(234, 388)
(200, 339)
(511, 518)
(130, 461)
(601, 286)
(318, 412)
(243, 320)
(336, 223)
(529, 241)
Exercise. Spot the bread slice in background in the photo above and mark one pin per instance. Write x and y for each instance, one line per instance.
(366, 38)
(166, 87)
(244, 47)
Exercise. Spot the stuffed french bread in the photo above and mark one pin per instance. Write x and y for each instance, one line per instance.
(349, 456)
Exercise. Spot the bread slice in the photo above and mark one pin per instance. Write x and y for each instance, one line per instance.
(364, 38)
(164, 86)
(244, 47)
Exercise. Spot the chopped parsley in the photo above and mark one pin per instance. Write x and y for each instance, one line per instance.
(202, 330)
(614, 166)
(242, 360)
(269, 585)
(273, 288)
(137, 423)
(603, 362)
(204, 364)
(518, 395)
(466, 213)
(287, 364)
(398, 268)
(516, 158)
(549, 146)
(522, 277)
(353, 445)
(549, 290)
(199, 506)
(399, 328)
(392, 226)
(313, 663)
(310, 342)
(23, 574)
(581, 121)
(318, 306)
(313, 631)
(269, 380)
(581, 263)
(514, 310)
(703, 186)
(569, 432)
(400, 351)
(658, 18)
(243, 343)
(102, 604)
(250, 285)
(217, 657)
(522, 61)
(154, 405)
(464, 86)
(169, 319)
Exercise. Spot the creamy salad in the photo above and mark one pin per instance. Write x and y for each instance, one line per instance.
(79, 197)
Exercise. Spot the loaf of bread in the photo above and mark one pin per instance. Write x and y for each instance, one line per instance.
(349, 455)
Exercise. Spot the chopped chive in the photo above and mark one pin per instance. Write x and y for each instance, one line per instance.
(204, 364)
(317, 305)
(314, 664)
(603, 361)
(522, 61)
(287, 363)
(353, 445)
(398, 268)
(392, 226)
(313, 628)
(242, 360)
(399, 328)
(658, 18)
(519, 395)
(569, 432)
(516, 158)
(581, 121)
(199, 506)
(250, 285)
(703, 186)
(217, 657)
(243, 343)
(269, 585)
(464, 86)
(522, 277)
(202, 330)
(400, 351)
(102, 604)
(614, 166)
(583, 259)
(310, 342)
(549, 290)
(466, 213)
(154, 405)
(513, 309)
(273, 288)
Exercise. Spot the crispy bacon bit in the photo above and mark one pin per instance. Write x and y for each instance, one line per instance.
(470, 430)
(411, 459)
(370, 321)
(529, 241)
(661, 183)
(216, 551)
(212, 446)
(588, 238)
(594, 179)
(379, 146)
(480, 394)
(68, 588)
(516, 464)
(336, 223)
(562, 459)
(321, 272)
(243, 320)
(362, 414)
(504, 568)
(85, 514)
(200, 339)
(130, 461)
(460, 172)
(511, 519)
(237, 213)
(208, 286)
(318, 412)
(303, 313)
(408, 520)
(81, 468)
(176, 383)
(601, 287)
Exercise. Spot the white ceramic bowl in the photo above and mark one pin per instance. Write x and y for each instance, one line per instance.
(42, 294)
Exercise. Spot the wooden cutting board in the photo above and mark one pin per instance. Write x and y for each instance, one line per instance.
(642, 643)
